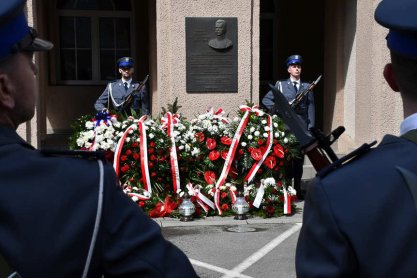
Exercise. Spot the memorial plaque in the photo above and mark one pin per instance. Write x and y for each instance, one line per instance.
(211, 53)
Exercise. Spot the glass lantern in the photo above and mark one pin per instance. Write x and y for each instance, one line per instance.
(186, 209)
(240, 207)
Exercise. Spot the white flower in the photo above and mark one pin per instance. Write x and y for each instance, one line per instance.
(250, 137)
(291, 190)
(89, 125)
(264, 122)
(151, 135)
(195, 151)
(257, 133)
(266, 128)
(252, 129)
(265, 135)
(243, 144)
(222, 187)
(276, 134)
(135, 198)
(269, 182)
(275, 124)
(285, 140)
(181, 147)
(233, 188)
(261, 113)
(236, 119)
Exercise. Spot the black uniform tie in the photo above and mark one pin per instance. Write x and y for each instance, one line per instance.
(126, 86)
(295, 86)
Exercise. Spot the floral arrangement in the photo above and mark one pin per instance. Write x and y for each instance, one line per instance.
(210, 157)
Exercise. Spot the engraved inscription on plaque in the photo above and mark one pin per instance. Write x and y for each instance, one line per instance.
(211, 53)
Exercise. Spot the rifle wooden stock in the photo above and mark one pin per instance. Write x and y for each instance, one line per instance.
(317, 158)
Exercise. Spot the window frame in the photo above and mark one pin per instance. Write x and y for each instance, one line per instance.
(94, 15)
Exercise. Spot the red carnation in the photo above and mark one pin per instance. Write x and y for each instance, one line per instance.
(260, 142)
(225, 207)
(151, 150)
(256, 154)
(210, 177)
(224, 154)
(128, 152)
(270, 210)
(211, 143)
(125, 168)
(123, 158)
(270, 162)
(141, 204)
(136, 156)
(223, 195)
(226, 140)
(214, 155)
(279, 151)
(152, 144)
(199, 136)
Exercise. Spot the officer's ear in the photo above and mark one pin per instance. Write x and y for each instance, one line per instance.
(6, 91)
(390, 77)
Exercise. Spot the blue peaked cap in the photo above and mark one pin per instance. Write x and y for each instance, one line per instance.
(15, 34)
(125, 62)
(399, 16)
(293, 60)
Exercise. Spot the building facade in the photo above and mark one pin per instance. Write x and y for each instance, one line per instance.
(337, 39)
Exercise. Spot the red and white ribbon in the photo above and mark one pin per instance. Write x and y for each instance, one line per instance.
(216, 115)
(287, 201)
(143, 197)
(232, 152)
(259, 196)
(255, 167)
(168, 122)
(143, 145)
(119, 147)
(202, 200)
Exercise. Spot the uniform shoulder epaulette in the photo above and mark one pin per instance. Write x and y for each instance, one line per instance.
(365, 148)
(75, 154)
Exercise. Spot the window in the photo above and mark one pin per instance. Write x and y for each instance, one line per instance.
(92, 35)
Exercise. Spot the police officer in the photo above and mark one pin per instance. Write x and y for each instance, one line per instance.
(124, 94)
(361, 220)
(63, 216)
(290, 88)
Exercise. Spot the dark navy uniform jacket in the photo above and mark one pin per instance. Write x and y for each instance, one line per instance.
(48, 207)
(119, 94)
(365, 219)
(305, 109)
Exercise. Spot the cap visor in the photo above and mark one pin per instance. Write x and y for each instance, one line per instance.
(39, 45)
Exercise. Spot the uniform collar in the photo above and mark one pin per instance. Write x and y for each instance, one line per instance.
(408, 124)
(9, 136)
(128, 81)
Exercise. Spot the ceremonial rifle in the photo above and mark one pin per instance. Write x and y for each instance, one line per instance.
(300, 97)
(315, 144)
(129, 98)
